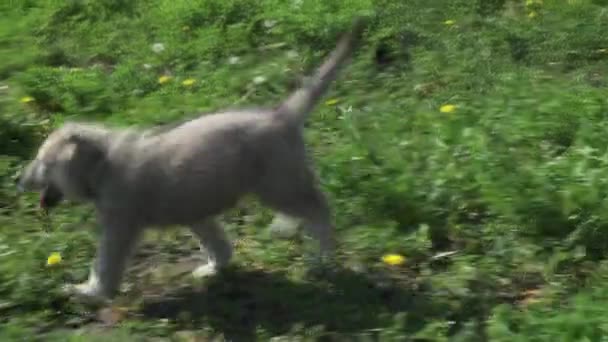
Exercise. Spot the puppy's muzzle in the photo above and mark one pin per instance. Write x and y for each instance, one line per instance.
(50, 195)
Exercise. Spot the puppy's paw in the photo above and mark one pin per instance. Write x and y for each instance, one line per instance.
(204, 271)
(86, 293)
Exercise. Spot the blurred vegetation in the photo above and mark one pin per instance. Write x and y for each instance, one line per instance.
(497, 201)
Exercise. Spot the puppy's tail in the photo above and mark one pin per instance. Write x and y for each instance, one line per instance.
(299, 104)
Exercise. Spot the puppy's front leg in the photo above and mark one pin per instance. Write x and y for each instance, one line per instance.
(116, 244)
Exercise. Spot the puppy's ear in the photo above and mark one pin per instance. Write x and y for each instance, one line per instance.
(83, 138)
(83, 145)
(81, 159)
(77, 136)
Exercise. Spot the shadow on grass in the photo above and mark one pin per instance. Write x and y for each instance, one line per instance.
(238, 302)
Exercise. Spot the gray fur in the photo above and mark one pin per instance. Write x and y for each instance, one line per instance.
(187, 175)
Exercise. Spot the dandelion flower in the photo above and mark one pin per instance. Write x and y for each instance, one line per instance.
(53, 259)
(449, 22)
(331, 102)
(259, 79)
(292, 54)
(26, 99)
(188, 82)
(233, 60)
(393, 259)
(164, 79)
(158, 47)
(269, 23)
(447, 108)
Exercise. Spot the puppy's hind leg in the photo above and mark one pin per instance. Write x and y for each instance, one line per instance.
(301, 199)
(213, 242)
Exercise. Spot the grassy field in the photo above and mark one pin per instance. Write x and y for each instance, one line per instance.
(467, 136)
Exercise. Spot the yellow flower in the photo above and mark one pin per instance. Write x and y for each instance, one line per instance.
(164, 79)
(331, 102)
(449, 22)
(53, 259)
(447, 108)
(393, 259)
(532, 14)
(26, 99)
(189, 82)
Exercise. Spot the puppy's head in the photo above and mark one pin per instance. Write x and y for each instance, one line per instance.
(63, 167)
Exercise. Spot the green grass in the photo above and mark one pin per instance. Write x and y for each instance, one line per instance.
(513, 181)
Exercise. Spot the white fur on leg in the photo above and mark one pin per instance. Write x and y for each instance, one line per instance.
(213, 265)
(207, 270)
(88, 292)
(213, 242)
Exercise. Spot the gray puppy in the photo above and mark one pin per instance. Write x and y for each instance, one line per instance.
(187, 175)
